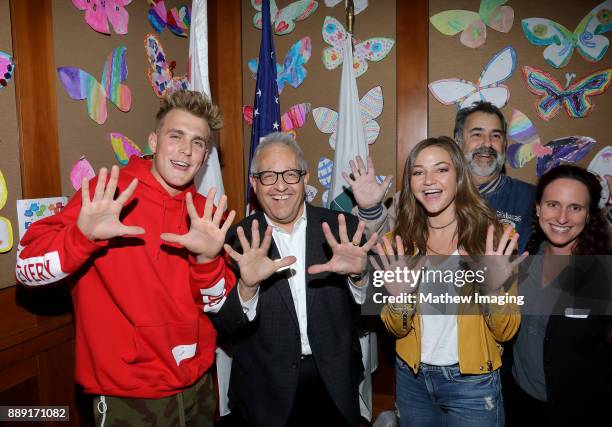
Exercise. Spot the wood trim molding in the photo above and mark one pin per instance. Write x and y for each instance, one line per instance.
(412, 22)
(225, 46)
(32, 32)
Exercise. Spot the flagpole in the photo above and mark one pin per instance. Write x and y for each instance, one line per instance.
(266, 105)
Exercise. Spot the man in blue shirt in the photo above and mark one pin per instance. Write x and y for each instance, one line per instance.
(480, 130)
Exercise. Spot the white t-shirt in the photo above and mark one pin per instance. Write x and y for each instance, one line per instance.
(439, 343)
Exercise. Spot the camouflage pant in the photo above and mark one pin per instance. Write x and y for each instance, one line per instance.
(194, 406)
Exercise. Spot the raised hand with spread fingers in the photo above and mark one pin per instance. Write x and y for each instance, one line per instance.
(254, 263)
(496, 263)
(348, 255)
(99, 216)
(206, 234)
(392, 260)
(366, 189)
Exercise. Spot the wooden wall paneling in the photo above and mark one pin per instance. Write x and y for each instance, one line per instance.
(226, 86)
(32, 30)
(412, 23)
(13, 318)
(56, 388)
(36, 339)
(18, 373)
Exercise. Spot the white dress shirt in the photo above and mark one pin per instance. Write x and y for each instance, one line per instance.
(294, 244)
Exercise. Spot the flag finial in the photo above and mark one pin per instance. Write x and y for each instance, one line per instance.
(350, 16)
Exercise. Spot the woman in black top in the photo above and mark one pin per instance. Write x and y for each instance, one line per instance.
(561, 354)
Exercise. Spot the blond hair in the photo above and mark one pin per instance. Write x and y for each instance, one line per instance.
(193, 102)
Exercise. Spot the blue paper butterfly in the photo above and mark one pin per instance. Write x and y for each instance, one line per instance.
(292, 71)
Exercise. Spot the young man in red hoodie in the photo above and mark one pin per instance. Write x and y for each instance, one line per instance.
(146, 269)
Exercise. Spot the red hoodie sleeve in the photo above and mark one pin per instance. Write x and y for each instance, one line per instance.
(54, 247)
(211, 282)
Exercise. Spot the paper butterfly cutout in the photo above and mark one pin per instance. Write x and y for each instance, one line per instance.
(6, 229)
(371, 106)
(472, 24)
(81, 85)
(575, 98)
(283, 20)
(311, 193)
(600, 166)
(360, 5)
(124, 148)
(292, 71)
(568, 149)
(6, 68)
(81, 169)
(325, 170)
(488, 88)
(324, 173)
(160, 72)
(561, 42)
(291, 121)
(177, 20)
(99, 12)
(374, 49)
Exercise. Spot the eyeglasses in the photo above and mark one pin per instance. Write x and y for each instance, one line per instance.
(290, 176)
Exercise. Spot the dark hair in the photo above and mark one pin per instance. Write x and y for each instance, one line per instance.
(193, 102)
(473, 213)
(595, 238)
(480, 106)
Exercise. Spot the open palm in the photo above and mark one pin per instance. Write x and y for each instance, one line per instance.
(366, 189)
(496, 264)
(348, 257)
(206, 234)
(254, 263)
(99, 216)
(392, 261)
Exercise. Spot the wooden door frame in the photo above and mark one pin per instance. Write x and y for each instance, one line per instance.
(412, 23)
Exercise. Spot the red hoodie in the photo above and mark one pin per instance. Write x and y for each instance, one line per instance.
(139, 303)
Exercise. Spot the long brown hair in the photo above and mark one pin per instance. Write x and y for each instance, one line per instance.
(473, 214)
(595, 239)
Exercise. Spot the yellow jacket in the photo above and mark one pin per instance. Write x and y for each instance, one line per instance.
(480, 331)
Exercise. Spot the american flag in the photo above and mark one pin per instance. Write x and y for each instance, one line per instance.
(266, 109)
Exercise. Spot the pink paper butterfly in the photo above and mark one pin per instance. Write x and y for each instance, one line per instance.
(99, 12)
(291, 121)
(6, 68)
(81, 169)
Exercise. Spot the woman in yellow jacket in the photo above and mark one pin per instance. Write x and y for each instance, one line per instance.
(447, 365)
